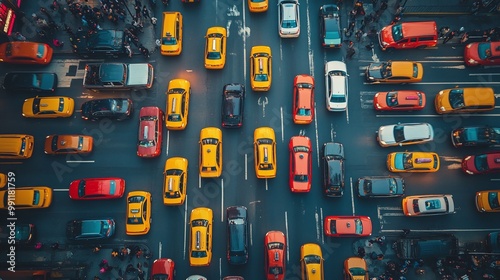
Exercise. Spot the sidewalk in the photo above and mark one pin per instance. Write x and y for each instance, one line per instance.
(27, 26)
(80, 262)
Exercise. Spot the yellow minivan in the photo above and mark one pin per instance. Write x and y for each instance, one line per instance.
(16, 146)
(464, 100)
(27, 198)
(171, 34)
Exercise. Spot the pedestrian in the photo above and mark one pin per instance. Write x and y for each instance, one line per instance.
(383, 6)
(358, 35)
(97, 249)
(141, 275)
(138, 3)
(57, 43)
(139, 266)
(138, 254)
(380, 257)
(154, 21)
(373, 256)
(380, 240)
(130, 269)
(128, 49)
(350, 53)
(54, 246)
(114, 254)
(352, 24)
(406, 231)
(449, 36)
(145, 12)
(399, 11)
(103, 263)
(395, 20)
(19, 37)
(361, 252)
(38, 245)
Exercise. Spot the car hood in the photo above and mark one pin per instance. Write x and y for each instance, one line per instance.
(386, 134)
(374, 70)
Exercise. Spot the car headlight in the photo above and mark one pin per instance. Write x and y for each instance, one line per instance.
(466, 158)
(472, 61)
(378, 106)
(440, 93)
(385, 44)
(468, 172)
(468, 46)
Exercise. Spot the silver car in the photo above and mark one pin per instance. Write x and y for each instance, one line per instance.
(336, 86)
(288, 18)
(404, 134)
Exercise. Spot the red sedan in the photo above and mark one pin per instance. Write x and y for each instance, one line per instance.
(163, 269)
(97, 188)
(483, 53)
(482, 164)
(348, 226)
(401, 100)
(300, 164)
(303, 99)
(274, 254)
(150, 132)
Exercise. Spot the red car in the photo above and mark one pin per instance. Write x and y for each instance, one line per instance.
(96, 188)
(348, 226)
(163, 269)
(274, 254)
(300, 163)
(481, 164)
(483, 53)
(401, 100)
(303, 99)
(150, 132)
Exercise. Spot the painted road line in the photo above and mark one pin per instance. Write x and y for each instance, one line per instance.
(251, 236)
(244, 36)
(443, 230)
(60, 190)
(316, 132)
(352, 198)
(332, 133)
(287, 239)
(159, 250)
(282, 126)
(185, 227)
(494, 179)
(321, 225)
(80, 161)
(449, 67)
(452, 159)
(220, 268)
(222, 200)
(246, 167)
(168, 142)
(484, 74)
(309, 44)
(266, 185)
(13, 162)
(443, 57)
(199, 181)
(435, 116)
(318, 227)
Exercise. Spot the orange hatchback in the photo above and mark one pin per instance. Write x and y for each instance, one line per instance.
(20, 52)
(401, 100)
(300, 164)
(303, 99)
(348, 226)
(68, 144)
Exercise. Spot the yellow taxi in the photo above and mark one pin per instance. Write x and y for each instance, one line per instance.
(264, 143)
(311, 262)
(200, 245)
(355, 268)
(175, 181)
(395, 72)
(48, 107)
(26, 197)
(215, 47)
(178, 93)
(171, 34)
(138, 213)
(258, 6)
(260, 68)
(68, 144)
(210, 152)
(488, 201)
(413, 162)
(464, 100)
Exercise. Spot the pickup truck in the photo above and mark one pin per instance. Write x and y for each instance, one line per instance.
(102, 43)
(118, 76)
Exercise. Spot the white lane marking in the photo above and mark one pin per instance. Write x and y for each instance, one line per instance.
(222, 200)
(220, 268)
(168, 142)
(452, 82)
(309, 48)
(494, 179)
(316, 217)
(287, 239)
(282, 126)
(266, 185)
(435, 116)
(199, 181)
(244, 45)
(251, 236)
(246, 167)
(60, 190)
(450, 67)
(185, 226)
(444, 57)
(80, 161)
(316, 132)
(159, 250)
(352, 198)
(445, 230)
(321, 225)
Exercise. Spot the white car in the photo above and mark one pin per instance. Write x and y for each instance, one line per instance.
(427, 205)
(288, 18)
(336, 86)
(404, 134)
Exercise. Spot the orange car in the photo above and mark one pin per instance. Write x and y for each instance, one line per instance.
(68, 144)
(300, 163)
(20, 52)
(401, 100)
(303, 99)
(348, 226)
(150, 132)
(274, 254)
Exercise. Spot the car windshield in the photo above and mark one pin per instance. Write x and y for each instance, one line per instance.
(275, 245)
(456, 98)
(493, 200)
(304, 112)
(169, 40)
(210, 141)
(392, 99)
(386, 70)
(434, 204)
(301, 149)
(397, 32)
(174, 117)
(407, 160)
(304, 85)
(359, 226)
(213, 55)
(261, 77)
(289, 23)
(393, 186)
(357, 271)
(198, 254)
(481, 163)
(300, 178)
(312, 259)
(399, 133)
(484, 50)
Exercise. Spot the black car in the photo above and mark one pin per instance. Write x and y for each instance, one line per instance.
(329, 26)
(83, 230)
(333, 169)
(102, 43)
(233, 99)
(475, 136)
(380, 186)
(30, 81)
(237, 235)
(426, 247)
(23, 234)
(110, 108)
(493, 242)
